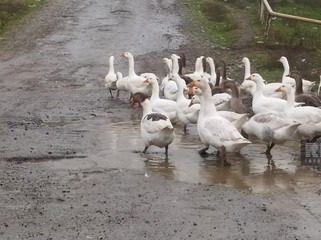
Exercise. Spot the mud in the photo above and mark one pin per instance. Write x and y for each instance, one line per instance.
(71, 165)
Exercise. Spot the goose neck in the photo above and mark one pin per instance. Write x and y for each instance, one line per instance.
(298, 84)
(155, 91)
(131, 67)
(207, 106)
(290, 96)
(147, 108)
(286, 67)
(111, 66)
(247, 69)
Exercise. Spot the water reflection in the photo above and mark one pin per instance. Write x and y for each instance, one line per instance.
(119, 145)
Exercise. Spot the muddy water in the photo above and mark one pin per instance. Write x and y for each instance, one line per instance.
(119, 145)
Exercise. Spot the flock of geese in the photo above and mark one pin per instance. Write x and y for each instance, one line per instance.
(227, 113)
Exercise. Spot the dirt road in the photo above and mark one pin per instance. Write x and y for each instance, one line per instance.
(69, 161)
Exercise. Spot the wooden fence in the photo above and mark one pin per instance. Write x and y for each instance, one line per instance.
(266, 15)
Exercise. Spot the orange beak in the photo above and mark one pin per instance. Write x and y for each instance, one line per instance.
(249, 78)
(278, 90)
(122, 55)
(191, 84)
(146, 81)
(189, 91)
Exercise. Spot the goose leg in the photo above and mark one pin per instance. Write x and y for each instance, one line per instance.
(268, 149)
(145, 149)
(225, 163)
(111, 93)
(185, 128)
(117, 93)
(203, 152)
(166, 152)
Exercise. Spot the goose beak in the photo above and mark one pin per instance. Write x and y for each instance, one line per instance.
(146, 81)
(189, 91)
(122, 55)
(278, 90)
(191, 84)
(249, 78)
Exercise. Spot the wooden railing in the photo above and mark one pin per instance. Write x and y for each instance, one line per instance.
(266, 15)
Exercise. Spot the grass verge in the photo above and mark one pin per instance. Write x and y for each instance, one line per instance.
(12, 11)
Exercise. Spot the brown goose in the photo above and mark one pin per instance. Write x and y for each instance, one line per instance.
(309, 99)
(235, 101)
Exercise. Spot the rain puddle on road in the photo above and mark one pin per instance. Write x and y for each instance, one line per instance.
(119, 145)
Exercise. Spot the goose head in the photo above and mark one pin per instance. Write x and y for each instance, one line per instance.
(286, 88)
(245, 60)
(196, 92)
(200, 83)
(255, 77)
(150, 78)
(248, 86)
(126, 55)
(119, 76)
(283, 60)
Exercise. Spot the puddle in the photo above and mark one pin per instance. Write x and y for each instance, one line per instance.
(119, 145)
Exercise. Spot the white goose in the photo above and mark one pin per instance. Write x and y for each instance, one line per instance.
(156, 128)
(262, 103)
(270, 128)
(236, 119)
(286, 71)
(164, 106)
(213, 129)
(134, 83)
(111, 78)
(309, 117)
(186, 114)
(199, 70)
(168, 87)
(307, 85)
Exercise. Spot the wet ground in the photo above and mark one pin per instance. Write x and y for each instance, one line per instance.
(70, 156)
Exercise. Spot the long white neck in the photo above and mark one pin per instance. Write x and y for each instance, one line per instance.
(131, 65)
(155, 91)
(147, 107)
(181, 86)
(210, 62)
(290, 98)
(199, 66)
(259, 87)
(170, 67)
(247, 67)
(175, 64)
(111, 65)
(207, 106)
(286, 67)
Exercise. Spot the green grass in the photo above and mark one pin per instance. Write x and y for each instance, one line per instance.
(216, 20)
(220, 23)
(296, 33)
(13, 10)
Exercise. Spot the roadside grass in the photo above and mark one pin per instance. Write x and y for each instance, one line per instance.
(215, 19)
(296, 33)
(219, 22)
(12, 11)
